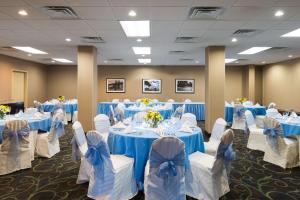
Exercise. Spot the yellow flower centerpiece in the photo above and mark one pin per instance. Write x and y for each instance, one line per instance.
(146, 101)
(153, 118)
(61, 98)
(3, 110)
(242, 100)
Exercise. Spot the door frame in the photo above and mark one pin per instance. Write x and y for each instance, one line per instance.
(25, 85)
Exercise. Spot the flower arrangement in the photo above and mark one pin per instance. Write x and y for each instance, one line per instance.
(146, 101)
(61, 98)
(3, 110)
(153, 118)
(242, 100)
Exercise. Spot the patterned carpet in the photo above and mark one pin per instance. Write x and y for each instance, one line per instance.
(49, 179)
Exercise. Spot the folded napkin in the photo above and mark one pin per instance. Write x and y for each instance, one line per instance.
(186, 128)
(293, 114)
(38, 115)
(293, 120)
(127, 121)
(128, 130)
(257, 105)
(119, 125)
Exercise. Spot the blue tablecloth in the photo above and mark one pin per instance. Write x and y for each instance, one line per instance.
(138, 147)
(43, 124)
(256, 110)
(290, 129)
(103, 107)
(196, 108)
(70, 107)
(166, 113)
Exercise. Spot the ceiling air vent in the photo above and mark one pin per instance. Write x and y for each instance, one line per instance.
(187, 40)
(92, 39)
(115, 60)
(278, 48)
(186, 59)
(7, 48)
(60, 12)
(176, 52)
(243, 33)
(205, 13)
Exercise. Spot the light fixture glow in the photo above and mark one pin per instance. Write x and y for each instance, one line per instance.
(144, 60)
(197, 61)
(254, 50)
(62, 60)
(23, 12)
(143, 55)
(139, 40)
(29, 54)
(30, 50)
(290, 56)
(132, 13)
(68, 39)
(295, 33)
(234, 40)
(279, 13)
(230, 60)
(136, 28)
(263, 62)
(105, 61)
(142, 50)
(53, 61)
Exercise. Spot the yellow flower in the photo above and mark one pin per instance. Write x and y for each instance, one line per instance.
(4, 109)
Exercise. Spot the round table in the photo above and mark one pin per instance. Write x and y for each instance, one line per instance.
(256, 110)
(35, 123)
(70, 107)
(137, 146)
(165, 112)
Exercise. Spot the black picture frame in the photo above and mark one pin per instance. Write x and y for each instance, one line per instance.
(115, 85)
(185, 86)
(147, 84)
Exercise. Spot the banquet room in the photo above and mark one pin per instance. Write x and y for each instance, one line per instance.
(150, 99)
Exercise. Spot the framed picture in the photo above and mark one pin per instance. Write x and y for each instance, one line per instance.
(115, 85)
(184, 85)
(151, 86)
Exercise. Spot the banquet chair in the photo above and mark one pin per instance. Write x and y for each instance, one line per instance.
(248, 103)
(189, 119)
(31, 111)
(111, 176)
(79, 149)
(273, 113)
(168, 105)
(47, 144)
(207, 179)
(239, 119)
(187, 101)
(38, 105)
(112, 116)
(272, 105)
(279, 150)
(61, 106)
(126, 100)
(115, 101)
(102, 125)
(155, 101)
(257, 139)
(178, 112)
(119, 113)
(218, 130)
(165, 170)
(15, 153)
(75, 116)
(139, 117)
(171, 101)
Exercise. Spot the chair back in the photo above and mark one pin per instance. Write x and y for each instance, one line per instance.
(187, 101)
(58, 106)
(168, 105)
(239, 118)
(178, 112)
(272, 112)
(112, 115)
(155, 101)
(225, 153)
(248, 103)
(38, 106)
(115, 101)
(189, 118)
(166, 179)
(31, 111)
(80, 138)
(274, 133)
(126, 100)
(250, 119)
(171, 101)
(120, 112)
(272, 105)
(102, 175)
(218, 129)
(102, 123)
(57, 127)
(139, 117)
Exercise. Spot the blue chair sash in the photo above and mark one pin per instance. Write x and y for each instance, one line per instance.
(57, 129)
(76, 156)
(272, 135)
(178, 112)
(227, 154)
(240, 112)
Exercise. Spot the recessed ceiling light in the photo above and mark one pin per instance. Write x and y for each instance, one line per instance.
(62, 60)
(229, 60)
(143, 55)
(263, 62)
(197, 61)
(136, 28)
(105, 61)
(29, 54)
(295, 33)
(53, 61)
(144, 60)
(254, 50)
(68, 39)
(290, 56)
(237, 62)
(279, 13)
(234, 40)
(30, 50)
(139, 40)
(132, 13)
(142, 50)
(23, 12)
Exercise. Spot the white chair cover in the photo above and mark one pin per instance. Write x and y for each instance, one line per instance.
(38, 106)
(102, 125)
(75, 116)
(280, 151)
(178, 112)
(256, 140)
(79, 149)
(239, 119)
(15, 153)
(218, 129)
(272, 112)
(166, 177)
(31, 111)
(248, 103)
(112, 116)
(120, 112)
(207, 176)
(272, 105)
(171, 100)
(187, 101)
(111, 176)
(115, 100)
(169, 105)
(139, 117)
(155, 101)
(189, 118)
(126, 100)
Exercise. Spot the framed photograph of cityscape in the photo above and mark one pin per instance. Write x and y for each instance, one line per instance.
(115, 85)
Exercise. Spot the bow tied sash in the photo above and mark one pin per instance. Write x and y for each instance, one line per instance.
(272, 137)
(227, 154)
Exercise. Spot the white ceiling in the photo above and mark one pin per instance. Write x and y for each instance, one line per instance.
(168, 18)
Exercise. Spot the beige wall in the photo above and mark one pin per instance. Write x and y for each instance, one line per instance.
(235, 81)
(281, 84)
(37, 78)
